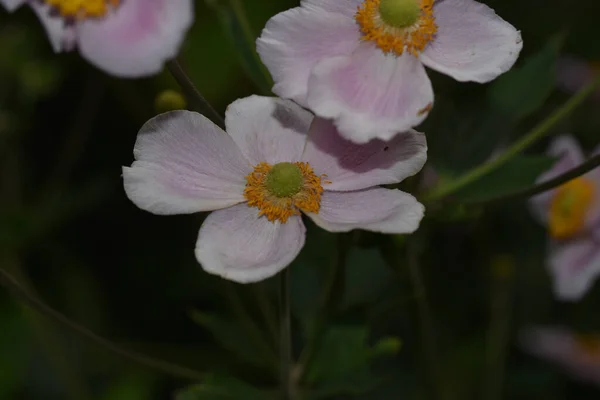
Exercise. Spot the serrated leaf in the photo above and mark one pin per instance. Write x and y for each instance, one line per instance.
(524, 89)
(518, 173)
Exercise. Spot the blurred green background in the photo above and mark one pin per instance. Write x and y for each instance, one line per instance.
(68, 232)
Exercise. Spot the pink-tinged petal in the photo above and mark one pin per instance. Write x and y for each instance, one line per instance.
(347, 8)
(350, 166)
(295, 40)
(268, 129)
(138, 37)
(237, 244)
(370, 95)
(472, 42)
(62, 37)
(376, 209)
(574, 265)
(185, 164)
(569, 155)
(12, 5)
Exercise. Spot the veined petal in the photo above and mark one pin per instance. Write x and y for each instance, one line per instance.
(12, 5)
(185, 164)
(370, 95)
(569, 155)
(344, 7)
(62, 37)
(574, 265)
(138, 37)
(350, 166)
(295, 40)
(472, 43)
(237, 244)
(268, 129)
(375, 209)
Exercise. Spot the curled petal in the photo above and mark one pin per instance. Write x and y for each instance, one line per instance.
(237, 244)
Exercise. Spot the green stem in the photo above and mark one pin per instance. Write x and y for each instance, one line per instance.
(544, 186)
(267, 309)
(538, 132)
(197, 101)
(19, 291)
(425, 323)
(285, 343)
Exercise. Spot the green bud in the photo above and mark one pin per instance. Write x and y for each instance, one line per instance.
(284, 179)
(169, 100)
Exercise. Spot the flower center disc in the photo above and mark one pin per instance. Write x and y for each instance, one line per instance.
(281, 190)
(569, 206)
(397, 25)
(82, 9)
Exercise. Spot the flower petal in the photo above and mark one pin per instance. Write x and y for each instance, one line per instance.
(62, 37)
(138, 37)
(574, 265)
(185, 164)
(350, 166)
(569, 155)
(12, 5)
(573, 73)
(268, 129)
(295, 40)
(472, 42)
(344, 7)
(370, 94)
(237, 244)
(375, 209)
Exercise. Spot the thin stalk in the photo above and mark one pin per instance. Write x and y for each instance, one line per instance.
(18, 290)
(267, 309)
(195, 98)
(285, 344)
(426, 325)
(538, 132)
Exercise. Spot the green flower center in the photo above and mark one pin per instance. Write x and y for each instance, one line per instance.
(284, 179)
(400, 13)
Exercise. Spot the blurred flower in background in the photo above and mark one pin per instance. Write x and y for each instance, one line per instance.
(574, 73)
(125, 38)
(571, 212)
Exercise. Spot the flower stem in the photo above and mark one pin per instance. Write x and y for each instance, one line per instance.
(19, 291)
(285, 342)
(538, 132)
(198, 102)
(544, 186)
(425, 323)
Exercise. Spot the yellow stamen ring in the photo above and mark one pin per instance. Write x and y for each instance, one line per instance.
(569, 206)
(276, 207)
(82, 9)
(393, 39)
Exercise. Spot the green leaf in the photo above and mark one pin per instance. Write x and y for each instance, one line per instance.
(518, 173)
(217, 387)
(232, 337)
(524, 89)
(367, 275)
(235, 23)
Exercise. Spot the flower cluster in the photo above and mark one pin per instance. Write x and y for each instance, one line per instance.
(353, 85)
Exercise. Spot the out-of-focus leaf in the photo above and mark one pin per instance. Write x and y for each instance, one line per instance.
(367, 275)
(217, 387)
(518, 173)
(237, 28)
(13, 345)
(524, 89)
(130, 387)
(232, 337)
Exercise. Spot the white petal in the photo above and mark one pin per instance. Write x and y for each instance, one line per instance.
(237, 244)
(370, 95)
(185, 164)
(347, 8)
(350, 166)
(12, 5)
(268, 129)
(138, 37)
(472, 43)
(62, 37)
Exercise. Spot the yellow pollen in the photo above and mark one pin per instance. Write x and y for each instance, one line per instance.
(391, 39)
(82, 9)
(569, 206)
(275, 208)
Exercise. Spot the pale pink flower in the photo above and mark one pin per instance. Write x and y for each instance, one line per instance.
(361, 62)
(259, 176)
(126, 38)
(578, 354)
(571, 213)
